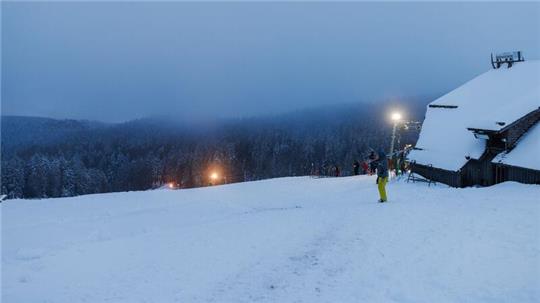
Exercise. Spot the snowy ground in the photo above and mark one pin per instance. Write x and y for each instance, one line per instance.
(281, 240)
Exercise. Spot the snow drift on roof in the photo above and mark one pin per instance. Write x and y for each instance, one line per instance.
(499, 95)
(526, 153)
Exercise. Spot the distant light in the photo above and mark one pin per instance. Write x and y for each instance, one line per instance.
(214, 176)
(171, 185)
(396, 116)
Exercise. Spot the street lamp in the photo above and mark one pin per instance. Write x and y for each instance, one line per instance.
(396, 117)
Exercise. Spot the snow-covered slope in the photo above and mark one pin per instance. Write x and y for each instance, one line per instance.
(281, 240)
(490, 101)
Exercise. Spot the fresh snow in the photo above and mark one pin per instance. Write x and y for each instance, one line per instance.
(526, 152)
(282, 240)
(498, 95)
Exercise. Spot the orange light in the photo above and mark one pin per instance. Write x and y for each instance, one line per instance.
(214, 176)
(171, 185)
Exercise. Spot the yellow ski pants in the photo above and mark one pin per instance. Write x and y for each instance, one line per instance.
(382, 187)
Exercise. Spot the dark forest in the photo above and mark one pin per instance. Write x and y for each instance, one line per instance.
(43, 157)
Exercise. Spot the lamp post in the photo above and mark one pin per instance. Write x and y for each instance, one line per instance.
(396, 117)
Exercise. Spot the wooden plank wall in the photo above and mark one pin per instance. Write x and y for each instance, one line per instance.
(437, 174)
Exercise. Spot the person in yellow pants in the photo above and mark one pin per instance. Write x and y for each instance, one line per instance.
(382, 172)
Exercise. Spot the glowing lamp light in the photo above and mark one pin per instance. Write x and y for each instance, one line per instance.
(396, 116)
(171, 185)
(214, 176)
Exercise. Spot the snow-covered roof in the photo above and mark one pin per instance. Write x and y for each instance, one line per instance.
(499, 95)
(527, 151)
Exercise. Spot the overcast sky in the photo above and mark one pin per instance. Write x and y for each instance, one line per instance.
(119, 61)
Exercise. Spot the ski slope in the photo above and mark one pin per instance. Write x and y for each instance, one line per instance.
(280, 240)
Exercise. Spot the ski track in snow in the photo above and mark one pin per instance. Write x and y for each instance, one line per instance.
(280, 240)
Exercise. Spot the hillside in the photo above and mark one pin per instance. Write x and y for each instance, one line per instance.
(280, 240)
(20, 131)
(58, 158)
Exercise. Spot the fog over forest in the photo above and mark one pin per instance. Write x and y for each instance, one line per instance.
(43, 157)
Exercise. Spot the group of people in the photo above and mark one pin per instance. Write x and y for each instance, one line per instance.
(367, 169)
(375, 163)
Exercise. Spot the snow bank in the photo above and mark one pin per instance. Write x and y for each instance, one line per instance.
(281, 240)
(526, 153)
(490, 101)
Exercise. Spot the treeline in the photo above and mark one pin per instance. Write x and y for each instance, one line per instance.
(149, 153)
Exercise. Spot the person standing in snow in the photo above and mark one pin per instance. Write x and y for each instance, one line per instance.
(356, 167)
(372, 167)
(379, 159)
(336, 171)
(365, 168)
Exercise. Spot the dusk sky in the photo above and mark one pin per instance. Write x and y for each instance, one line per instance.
(120, 61)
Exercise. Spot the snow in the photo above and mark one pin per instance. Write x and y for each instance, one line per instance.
(499, 95)
(526, 152)
(282, 240)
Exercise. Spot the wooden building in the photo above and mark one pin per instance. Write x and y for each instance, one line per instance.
(484, 132)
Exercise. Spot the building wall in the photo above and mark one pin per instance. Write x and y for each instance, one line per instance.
(448, 177)
(518, 174)
(477, 172)
(473, 173)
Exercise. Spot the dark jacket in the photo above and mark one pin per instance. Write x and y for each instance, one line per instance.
(356, 167)
(382, 165)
